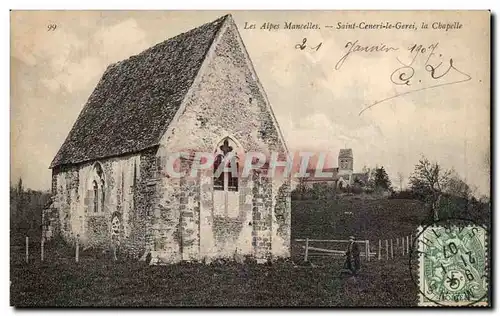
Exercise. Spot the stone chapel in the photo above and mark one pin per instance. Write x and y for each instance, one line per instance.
(195, 91)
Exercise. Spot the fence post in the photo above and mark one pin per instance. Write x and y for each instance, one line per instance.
(114, 253)
(407, 244)
(307, 249)
(41, 248)
(77, 250)
(367, 250)
(392, 250)
(386, 250)
(397, 243)
(27, 250)
(379, 249)
(403, 244)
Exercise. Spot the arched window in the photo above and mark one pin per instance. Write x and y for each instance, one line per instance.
(96, 187)
(96, 196)
(226, 180)
(226, 196)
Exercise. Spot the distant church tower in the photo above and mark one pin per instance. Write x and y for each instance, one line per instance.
(346, 164)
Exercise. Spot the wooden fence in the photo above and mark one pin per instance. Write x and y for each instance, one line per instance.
(311, 251)
(390, 248)
(30, 249)
(387, 248)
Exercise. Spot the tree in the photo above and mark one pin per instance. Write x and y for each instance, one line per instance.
(381, 180)
(456, 186)
(484, 199)
(19, 197)
(20, 188)
(428, 181)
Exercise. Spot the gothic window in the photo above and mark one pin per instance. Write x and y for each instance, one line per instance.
(226, 180)
(96, 196)
(96, 189)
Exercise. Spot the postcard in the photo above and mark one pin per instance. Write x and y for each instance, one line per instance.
(250, 158)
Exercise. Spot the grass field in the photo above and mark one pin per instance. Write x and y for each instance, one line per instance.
(370, 219)
(103, 283)
(60, 281)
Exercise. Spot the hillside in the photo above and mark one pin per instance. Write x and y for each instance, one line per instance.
(370, 219)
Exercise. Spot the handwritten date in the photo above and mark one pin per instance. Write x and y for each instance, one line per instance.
(303, 45)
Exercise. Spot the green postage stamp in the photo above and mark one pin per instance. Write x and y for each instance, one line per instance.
(453, 266)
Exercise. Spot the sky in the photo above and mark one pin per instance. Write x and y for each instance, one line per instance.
(316, 103)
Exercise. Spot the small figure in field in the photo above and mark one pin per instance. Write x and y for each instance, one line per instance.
(352, 253)
(115, 236)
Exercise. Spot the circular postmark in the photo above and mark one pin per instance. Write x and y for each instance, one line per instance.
(448, 263)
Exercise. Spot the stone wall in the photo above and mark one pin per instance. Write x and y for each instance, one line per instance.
(186, 227)
(122, 187)
(140, 238)
(262, 216)
(65, 196)
(225, 100)
(176, 220)
(282, 218)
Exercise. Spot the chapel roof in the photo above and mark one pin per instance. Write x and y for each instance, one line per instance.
(136, 99)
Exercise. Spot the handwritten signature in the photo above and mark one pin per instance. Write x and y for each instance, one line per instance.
(404, 75)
